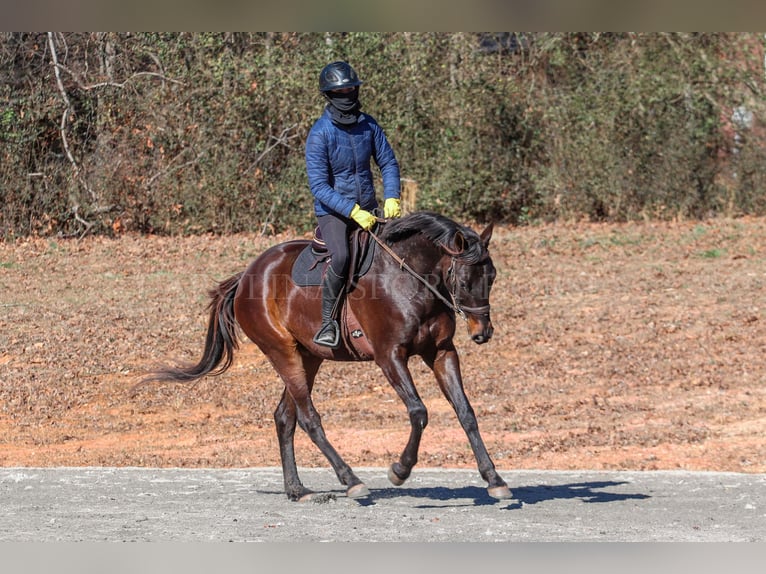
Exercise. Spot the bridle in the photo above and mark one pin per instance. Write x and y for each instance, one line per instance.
(452, 285)
(454, 292)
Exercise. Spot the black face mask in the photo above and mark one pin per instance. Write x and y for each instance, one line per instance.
(344, 108)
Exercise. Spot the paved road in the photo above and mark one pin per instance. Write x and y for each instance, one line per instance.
(435, 505)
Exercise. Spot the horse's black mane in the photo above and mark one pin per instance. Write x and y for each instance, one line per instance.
(441, 230)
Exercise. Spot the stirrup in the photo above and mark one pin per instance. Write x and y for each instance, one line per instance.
(328, 335)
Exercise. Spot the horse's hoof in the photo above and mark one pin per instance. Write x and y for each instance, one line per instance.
(358, 491)
(308, 497)
(393, 478)
(500, 492)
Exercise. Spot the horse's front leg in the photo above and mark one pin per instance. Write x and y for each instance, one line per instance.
(446, 367)
(398, 374)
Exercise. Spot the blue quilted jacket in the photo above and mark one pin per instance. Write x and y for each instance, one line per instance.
(339, 168)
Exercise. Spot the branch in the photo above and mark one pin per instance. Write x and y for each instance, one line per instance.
(65, 98)
(170, 169)
(89, 87)
(88, 224)
(281, 140)
(67, 109)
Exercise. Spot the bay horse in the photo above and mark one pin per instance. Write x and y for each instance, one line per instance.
(432, 270)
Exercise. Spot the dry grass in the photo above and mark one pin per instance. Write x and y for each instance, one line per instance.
(637, 346)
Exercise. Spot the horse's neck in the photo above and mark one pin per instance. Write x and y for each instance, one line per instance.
(420, 253)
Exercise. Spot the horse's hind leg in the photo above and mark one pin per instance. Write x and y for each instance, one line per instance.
(285, 418)
(296, 406)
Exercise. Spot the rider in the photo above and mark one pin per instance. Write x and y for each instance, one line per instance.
(338, 152)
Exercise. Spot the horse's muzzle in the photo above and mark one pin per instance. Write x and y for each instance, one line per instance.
(481, 331)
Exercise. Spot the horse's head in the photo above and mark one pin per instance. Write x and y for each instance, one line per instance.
(470, 281)
(465, 265)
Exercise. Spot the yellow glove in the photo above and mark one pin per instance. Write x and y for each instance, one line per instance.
(392, 208)
(365, 219)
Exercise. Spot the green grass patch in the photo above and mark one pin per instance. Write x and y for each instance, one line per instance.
(712, 253)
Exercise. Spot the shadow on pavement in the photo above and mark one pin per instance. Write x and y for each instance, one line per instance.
(589, 492)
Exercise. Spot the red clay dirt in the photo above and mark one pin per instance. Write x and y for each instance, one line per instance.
(633, 346)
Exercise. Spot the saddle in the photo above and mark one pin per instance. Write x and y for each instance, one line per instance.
(309, 269)
(310, 265)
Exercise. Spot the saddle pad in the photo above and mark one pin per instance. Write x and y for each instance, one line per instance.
(309, 267)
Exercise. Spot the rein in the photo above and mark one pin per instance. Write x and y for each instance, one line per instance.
(454, 305)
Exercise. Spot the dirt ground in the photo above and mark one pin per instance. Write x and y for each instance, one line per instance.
(635, 346)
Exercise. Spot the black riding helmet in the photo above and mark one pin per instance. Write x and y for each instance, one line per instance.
(338, 75)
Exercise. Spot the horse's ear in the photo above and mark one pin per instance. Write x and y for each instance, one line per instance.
(486, 235)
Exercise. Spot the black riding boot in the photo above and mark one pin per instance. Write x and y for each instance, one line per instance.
(329, 334)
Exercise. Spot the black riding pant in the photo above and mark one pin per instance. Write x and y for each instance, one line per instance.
(335, 233)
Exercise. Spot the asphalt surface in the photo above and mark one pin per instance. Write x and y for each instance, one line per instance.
(435, 505)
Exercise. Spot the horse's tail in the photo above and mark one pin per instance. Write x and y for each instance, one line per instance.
(220, 343)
